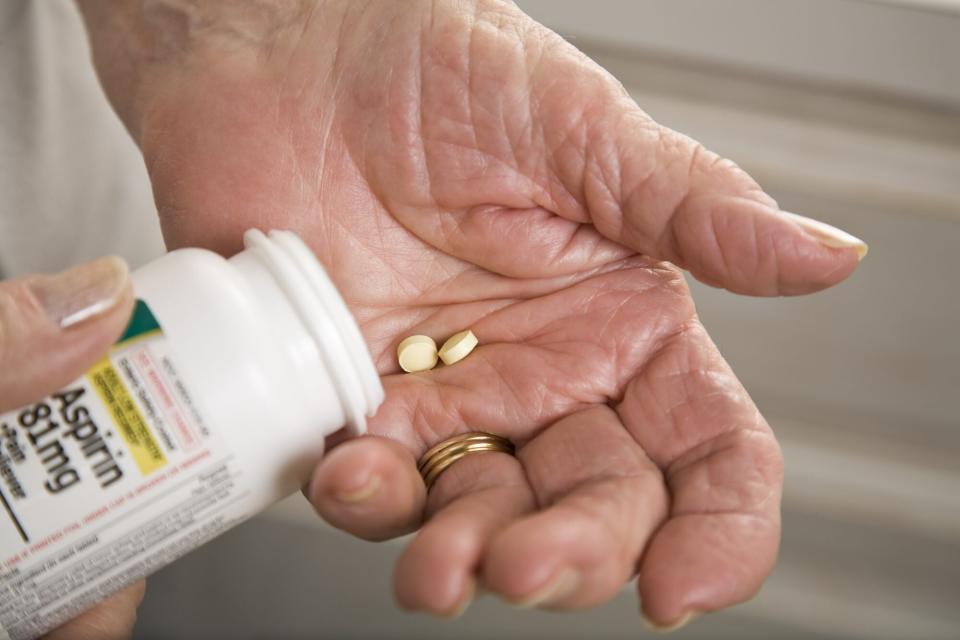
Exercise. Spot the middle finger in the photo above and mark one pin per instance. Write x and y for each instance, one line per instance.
(602, 498)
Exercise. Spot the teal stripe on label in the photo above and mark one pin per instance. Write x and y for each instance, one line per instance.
(142, 321)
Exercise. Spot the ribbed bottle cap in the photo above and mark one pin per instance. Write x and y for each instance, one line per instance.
(328, 320)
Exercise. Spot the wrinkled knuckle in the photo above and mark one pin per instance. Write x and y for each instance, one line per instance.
(719, 164)
(656, 184)
(722, 173)
(697, 159)
(648, 134)
(704, 162)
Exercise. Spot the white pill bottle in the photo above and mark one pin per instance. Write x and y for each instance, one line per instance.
(212, 405)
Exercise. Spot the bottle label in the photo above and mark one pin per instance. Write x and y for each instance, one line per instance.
(105, 481)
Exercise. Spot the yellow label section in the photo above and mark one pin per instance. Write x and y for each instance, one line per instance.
(132, 427)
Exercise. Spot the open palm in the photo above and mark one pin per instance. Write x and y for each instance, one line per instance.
(456, 165)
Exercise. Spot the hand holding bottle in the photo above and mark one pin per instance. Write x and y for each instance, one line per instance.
(52, 328)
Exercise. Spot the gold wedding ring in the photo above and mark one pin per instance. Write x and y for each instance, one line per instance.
(440, 456)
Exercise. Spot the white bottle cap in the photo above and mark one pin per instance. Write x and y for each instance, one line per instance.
(326, 317)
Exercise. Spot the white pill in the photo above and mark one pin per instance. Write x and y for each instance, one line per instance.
(458, 347)
(417, 353)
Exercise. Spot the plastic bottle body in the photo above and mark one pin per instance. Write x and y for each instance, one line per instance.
(213, 405)
(278, 397)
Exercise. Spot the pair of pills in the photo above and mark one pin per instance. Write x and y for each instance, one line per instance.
(419, 353)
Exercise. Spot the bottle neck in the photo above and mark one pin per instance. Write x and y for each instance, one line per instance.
(322, 316)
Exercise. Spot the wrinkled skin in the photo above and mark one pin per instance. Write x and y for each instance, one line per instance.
(457, 165)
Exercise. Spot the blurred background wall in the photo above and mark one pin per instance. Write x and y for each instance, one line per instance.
(845, 110)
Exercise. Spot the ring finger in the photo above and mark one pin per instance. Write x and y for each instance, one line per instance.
(469, 503)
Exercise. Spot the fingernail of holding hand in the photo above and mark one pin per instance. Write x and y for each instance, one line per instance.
(561, 587)
(829, 235)
(679, 623)
(81, 292)
(361, 494)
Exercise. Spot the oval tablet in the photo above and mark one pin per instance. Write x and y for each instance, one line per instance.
(417, 353)
(458, 347)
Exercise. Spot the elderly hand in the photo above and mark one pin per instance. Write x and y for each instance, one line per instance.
(52, 329)
(455, 165)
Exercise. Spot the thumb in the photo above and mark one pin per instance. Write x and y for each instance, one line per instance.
(53, 327)
(682, 203)
(664, 195)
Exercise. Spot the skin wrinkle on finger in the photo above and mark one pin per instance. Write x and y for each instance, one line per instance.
(702, 165)
(598, 185)
(703, 230)
(657, 195)
(763, 256)
(757, 254)
(716, 247)
(702, 472)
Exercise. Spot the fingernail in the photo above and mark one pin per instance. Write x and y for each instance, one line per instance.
(362, 494)
(562, 586)
(465, 601)
(679, 623)
(81, 292)
(828, 235)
